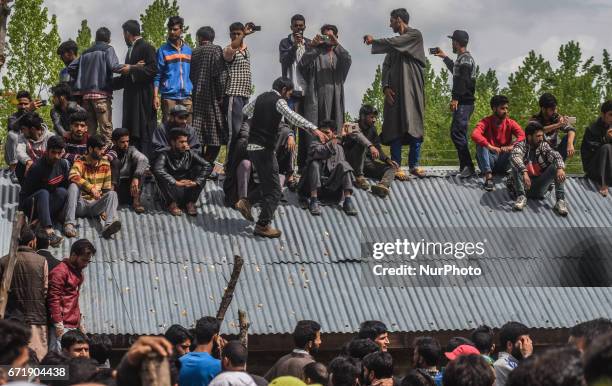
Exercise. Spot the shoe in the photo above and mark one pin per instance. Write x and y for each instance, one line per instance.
(401, 175)
(303, 202)
(520, 203)
(70, 231)
(244, 207)
(466, 172)
(174, 209)
(561, 208)
(292, 183)
(13, 177)
(418, 171)
(362, 183)
(137, 205)
(489, 186)
(191, 209)
(266, 231)
(111, 229)
(314, 207)
(510, 186)
(348, 207)
(380, 190)
(54, 239)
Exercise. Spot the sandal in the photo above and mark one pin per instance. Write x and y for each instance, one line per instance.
(401, 175)
(418, 171)
(174, 210)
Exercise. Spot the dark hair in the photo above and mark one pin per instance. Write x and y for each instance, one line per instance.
(498, 100)
(360, 347)
(606, 106)
(522, 375)
(81, 247)
(457, 341)
(68, 46)
(31, 119)
(510, 332)
(469, 370)
(206, 328)
(417, 378)
(304, 332)
(13, 338)
(328, 123)
(206, 33)
(344, 371)
(366, 110)
(591, 329)
(120, 132)
(297, 17)
(280, 83)
(95, 141)
(78, 116)
(132, 27)
(331, 27)
(236, 26)
(317, 373)
(558, 367)
(72, 337)
(236, 352)
(103, 34)
(371, 329)
(483, 338)
(81, 370)
(100, 347)
(42, 238)
(54, 358)
(177, 132)
(402, 14)
(429, 349)
(597, 359)
(177, 334)
(174, 20)
(26, 234)
(547, 100)
(532, 127)
(61, 89)
(24, 94)
(381, 363)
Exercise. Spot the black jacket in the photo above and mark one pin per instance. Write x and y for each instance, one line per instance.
(43, 175)
(595, 136)
(171, 166)
(287, 50)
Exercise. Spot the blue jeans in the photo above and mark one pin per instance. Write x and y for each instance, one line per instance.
(539, 185)
(48, 205)
(415, 151)
(461, 119)
(491, 162)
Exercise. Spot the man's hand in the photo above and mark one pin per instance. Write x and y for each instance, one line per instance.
(526, 346)
(319, 134)
(135, 187)
(291, 144)
(181, 183)
(96, 194)
(333, 39)
(146, 344)
(494, 149)
(316, 41)
(526, 180)
(563, 121)
(125, 69)
(59, 330)
(560, 175)
(299, 38)
(570, 150)
(36, 104)
(28, 165)
(609, 134)
(392, 163)
(368, 39)
(454, 105)
(389, 95)
(506, 149)
(374, 152)
(440, 54)
(156, 102)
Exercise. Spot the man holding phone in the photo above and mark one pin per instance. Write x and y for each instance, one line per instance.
(462, 103)
(554, 123)
(515, 345)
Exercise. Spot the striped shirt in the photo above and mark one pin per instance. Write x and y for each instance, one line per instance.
(239, 72)
(87, 176)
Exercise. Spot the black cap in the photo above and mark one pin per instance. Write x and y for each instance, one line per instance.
(460, 36)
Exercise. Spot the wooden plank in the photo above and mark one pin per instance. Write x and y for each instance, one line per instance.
(7, 277)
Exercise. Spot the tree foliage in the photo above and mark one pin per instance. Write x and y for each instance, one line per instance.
(153, 22)
(84, 39)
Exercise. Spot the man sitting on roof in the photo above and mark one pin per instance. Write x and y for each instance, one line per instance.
(32, 142)
(596, 150)
(179, 116)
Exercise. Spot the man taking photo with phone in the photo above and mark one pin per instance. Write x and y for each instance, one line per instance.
(554, 124)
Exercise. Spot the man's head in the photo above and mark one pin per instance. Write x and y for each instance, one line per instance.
(427, 352)
(469, 370)
(55, 149)
(24, 101)
(42, 239)
(78, 125)
(378, 365)
(131, 30)
(597, 359)
(205, 34)
(234, 356)
(103, 35)
(14, 339)
(344, 371)
(100, 348)
(175, 28)
(376, 331)
(27, 237)
(179, 140)
(180, 338)
(95, 147)
(31, 126)
(511, 337)
(61, 94)
(558, 367)
(534, 133)
(483, 339)
(284, 86)
(81, 254)
(316, 373)
(121, 138)
(548, 106)
(327, 126)
(500, 105)
(68, 51)
(460, 40)
(399, 20)
(606, 113)
(368, 115)
(329, 29)
(583, 334)
(418, 377)
(75, 344)
(307, 335)
(207, 329)
(179, 115)
(236, 30)
(298, 24)
(457, 341)
(81, 370)
(360, 347)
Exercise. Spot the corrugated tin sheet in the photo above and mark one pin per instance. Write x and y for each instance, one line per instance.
(161, 270)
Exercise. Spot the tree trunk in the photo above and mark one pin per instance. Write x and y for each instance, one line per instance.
(7, 278)
(228, 295)
(243, 322)
(4, 14)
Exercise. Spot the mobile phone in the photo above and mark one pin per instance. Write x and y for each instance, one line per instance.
(571, 120)
(44, 102)
(325, 38)
(434, 50)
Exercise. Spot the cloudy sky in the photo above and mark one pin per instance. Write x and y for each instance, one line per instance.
(501, 32)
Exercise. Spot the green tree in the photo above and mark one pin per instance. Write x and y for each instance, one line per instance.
(605, 78)
(437, 147)
(374, 96)
(154, 19)
(83, 39)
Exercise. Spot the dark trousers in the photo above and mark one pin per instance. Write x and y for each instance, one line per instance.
(180, 195)
(599, 168)
(356, 155)
(459, 129)
(304, 141)
(48, 205)
(122, 185)
(539, 184)
(269, 189)
(317, 179)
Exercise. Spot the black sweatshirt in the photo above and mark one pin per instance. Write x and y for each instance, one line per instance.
(464, 78)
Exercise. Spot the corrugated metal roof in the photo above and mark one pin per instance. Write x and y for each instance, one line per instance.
(161, 270)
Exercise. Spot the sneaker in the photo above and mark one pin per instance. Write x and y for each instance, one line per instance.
(489, 186)
(54, 239)
(191, 209)
(348, 207)
(314, 207)
(520, 203)
(244, 207)
(266, 231)
(303, 202)
(111, 229)
(466, 172)
(561, 208)
(380, 190)
(362, 183)
(70, 231)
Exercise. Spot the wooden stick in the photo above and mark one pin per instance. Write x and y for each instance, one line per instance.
(7, 278)
(155, 370)
(243, 321)
(228, 294)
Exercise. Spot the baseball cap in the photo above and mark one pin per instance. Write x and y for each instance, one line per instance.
(464, 349)
(460, 36)
(179, 110)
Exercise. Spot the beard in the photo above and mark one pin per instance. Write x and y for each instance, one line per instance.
(95, 156)
(501, 116)
(516, 353)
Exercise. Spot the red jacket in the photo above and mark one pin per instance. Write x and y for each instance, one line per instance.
(63, 296)
(490, 131)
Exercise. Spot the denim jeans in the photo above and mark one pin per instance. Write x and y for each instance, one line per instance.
(491, 162)
(415, 151)
(461, 119)
(539, 185)
(49, 205)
